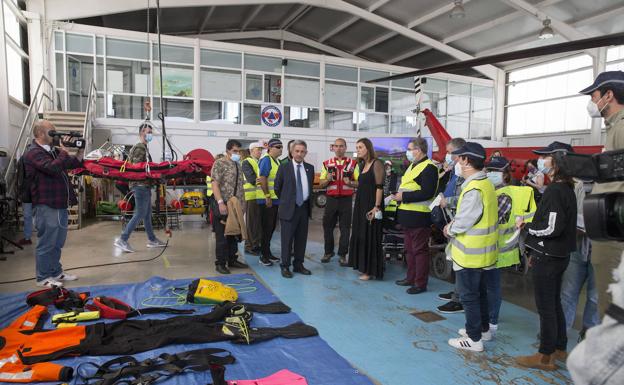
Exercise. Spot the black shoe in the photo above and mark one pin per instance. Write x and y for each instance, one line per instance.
(221, 269)
(343, 261)
(403, 282)
(302, 270)
(265, 262)
(451, 307)
(286, 273)
(416, 290)
(236, 264)
(327, 257)
(273, 258)
(446, 296)
(252, 252)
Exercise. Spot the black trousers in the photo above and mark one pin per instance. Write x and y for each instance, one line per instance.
(269, 221)
(226, 247)
(254, 225)
(547, 277)
(338, 209)
(295, 234)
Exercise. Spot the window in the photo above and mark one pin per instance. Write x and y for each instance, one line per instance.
(341, 73)
(340, 120)
(301, 91)
(367, 98)
(177, 80)
(303, 68)
(251, 114)
(127, 49)
(371, 122)
(17, 60)
(174, 54)
(79, 43)
(175, 109)
(220, 59)
(301, 117)
(543, 98)
(127, 76)
(127, 106)
(263, 63)
(220, 112)
(220, 84)
(615, 58)
(340, 95)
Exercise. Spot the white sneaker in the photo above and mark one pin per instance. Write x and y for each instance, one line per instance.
(49, 282)
(66, 277)
(485, 336)
(156, 243)
(465, 343)
(123, 245)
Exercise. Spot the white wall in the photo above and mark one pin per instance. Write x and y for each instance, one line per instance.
(576, 139)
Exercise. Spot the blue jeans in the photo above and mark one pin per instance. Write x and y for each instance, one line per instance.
(579, 271)
(471, 284)
(494, 296)
(27, 208)
(142, 212)
(51, 233)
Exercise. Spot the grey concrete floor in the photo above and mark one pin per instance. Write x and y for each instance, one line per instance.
(191, 254)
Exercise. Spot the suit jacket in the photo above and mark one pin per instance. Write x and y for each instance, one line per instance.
(286, 189)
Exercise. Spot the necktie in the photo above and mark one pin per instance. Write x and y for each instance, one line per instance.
(299, 198)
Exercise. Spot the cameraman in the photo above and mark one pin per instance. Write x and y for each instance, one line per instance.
(51, 193)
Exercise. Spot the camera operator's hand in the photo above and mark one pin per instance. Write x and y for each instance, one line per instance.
(64, 139)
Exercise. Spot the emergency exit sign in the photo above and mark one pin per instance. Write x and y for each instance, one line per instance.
(276, 136)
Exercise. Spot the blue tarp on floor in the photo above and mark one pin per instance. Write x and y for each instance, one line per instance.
(311, 357)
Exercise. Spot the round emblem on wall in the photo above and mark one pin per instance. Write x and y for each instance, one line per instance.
(271, 116)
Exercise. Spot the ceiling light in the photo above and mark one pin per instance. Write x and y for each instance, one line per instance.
(546, 32)
(458, 11)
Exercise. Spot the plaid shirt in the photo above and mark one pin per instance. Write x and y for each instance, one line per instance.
(504, 208)
(50, 184)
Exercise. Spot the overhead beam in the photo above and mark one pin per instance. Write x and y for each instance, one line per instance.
(252, 16)
(566, 30)
(339, 28)
(207, 17)
(407, 55)
(296, 15)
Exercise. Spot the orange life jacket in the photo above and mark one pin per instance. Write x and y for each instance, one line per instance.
(337, 187)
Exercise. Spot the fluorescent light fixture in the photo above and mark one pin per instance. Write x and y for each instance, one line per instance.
(458, 11)
(546, 32)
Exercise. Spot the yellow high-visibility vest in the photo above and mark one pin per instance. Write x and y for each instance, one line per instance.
(409, 184)
(478, 247)
(271, 178)
(208, 186)
(253, 191)
(522, 205)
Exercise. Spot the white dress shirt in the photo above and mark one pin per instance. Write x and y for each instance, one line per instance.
(304, 179)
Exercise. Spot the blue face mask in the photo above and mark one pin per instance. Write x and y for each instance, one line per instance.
(410, 155)
(496, 177)
(148, 137)
(448, 159)
(541, 165)
(235, 157)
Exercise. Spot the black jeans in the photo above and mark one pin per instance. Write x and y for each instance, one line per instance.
(338, 209)
(547, 278)
(226, 246)
(269, 221)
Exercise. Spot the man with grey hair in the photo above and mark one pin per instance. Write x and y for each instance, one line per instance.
(46, 168)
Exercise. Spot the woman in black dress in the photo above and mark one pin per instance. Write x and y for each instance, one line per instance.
(365, 251)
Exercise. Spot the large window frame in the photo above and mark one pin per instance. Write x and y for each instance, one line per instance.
(16, 49)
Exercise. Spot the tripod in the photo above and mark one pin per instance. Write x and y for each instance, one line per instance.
(4, 213)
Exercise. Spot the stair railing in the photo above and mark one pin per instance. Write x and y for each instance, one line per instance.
(90, 116)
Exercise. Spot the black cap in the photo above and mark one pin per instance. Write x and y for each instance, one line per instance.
(471, 150)
(554, 147)
(497, 163)
(608, 78)
(275, 142)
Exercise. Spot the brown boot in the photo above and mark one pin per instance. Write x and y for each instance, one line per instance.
(560, 355)
(537, 361)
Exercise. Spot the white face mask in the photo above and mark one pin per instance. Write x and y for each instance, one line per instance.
(148, 137)
(458, 169)
(593, 110)
(410, 155)
(541, 165)
(448, 159)
(496, 177)
(235, 157)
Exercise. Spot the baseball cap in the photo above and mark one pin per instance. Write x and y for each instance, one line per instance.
(554, 147)
(255, 145)
(607, 78)
(275, 142)
(471, 150)
(497, 163)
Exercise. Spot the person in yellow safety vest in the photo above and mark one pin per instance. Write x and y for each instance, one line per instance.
(473, 237)
(268, 200)
(419, 185)
(253, 192)
(208, 186)
(513, 202)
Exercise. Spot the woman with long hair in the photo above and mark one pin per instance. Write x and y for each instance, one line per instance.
(365, 251)
(551, 238)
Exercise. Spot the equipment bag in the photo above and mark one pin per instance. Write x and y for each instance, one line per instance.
(207, 292)
(58, 296)
(112, 308)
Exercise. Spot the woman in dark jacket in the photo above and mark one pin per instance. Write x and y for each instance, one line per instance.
(551, 237)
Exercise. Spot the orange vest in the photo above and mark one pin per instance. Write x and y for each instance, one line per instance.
(337, 187)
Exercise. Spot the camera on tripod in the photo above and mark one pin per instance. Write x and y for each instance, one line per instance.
(78, 143)
(604, 213)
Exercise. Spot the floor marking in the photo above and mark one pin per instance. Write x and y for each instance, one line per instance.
(166, 261)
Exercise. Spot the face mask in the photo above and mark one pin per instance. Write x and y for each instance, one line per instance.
(410, 155)
(46, 147)
(541, 165)
(458, 169)
(496, 177)
(448, 159)
(235, 157)
(593, 110)
(148, 137)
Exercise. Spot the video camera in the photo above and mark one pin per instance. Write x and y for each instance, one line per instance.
(78, 143)
(604, 212)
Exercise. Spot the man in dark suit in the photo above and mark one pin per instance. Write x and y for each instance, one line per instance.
(293, 186)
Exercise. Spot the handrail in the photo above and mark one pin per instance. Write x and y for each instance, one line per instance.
(90, 115)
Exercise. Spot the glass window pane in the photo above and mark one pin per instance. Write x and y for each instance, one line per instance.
(220, 58)
(551, 68)
(253, 87)
(177, 80)
(60, 100)
(220, 112)
(403, 102)
(79, 43)
(12, 25)
(381, 99)
(403, 124)
(126, 106)
(615, 53)
(435, 102)
(480, 130)
(615, 67)
(560, 115)
(436, 85)
(301, 92)
(407, 82)
(251, 114)
(301, 117)
(482, 109)
(220, 84)
(458, 107)
(126, 48)
(263, 63)
(482, 91)
(99, 45)
(127, 76)
(367, 98)
(175, 109)
(458, 88)
(304, 68)
(341, 95)
(366, 75)
(341, 73)
(100, 106)
(60, 68)
(59, 44)
(272, 89)
(79, 75)
(99, 71)
(373, 122)
(457, 128)
(175, 54)
(340, 120)
(16, 80)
